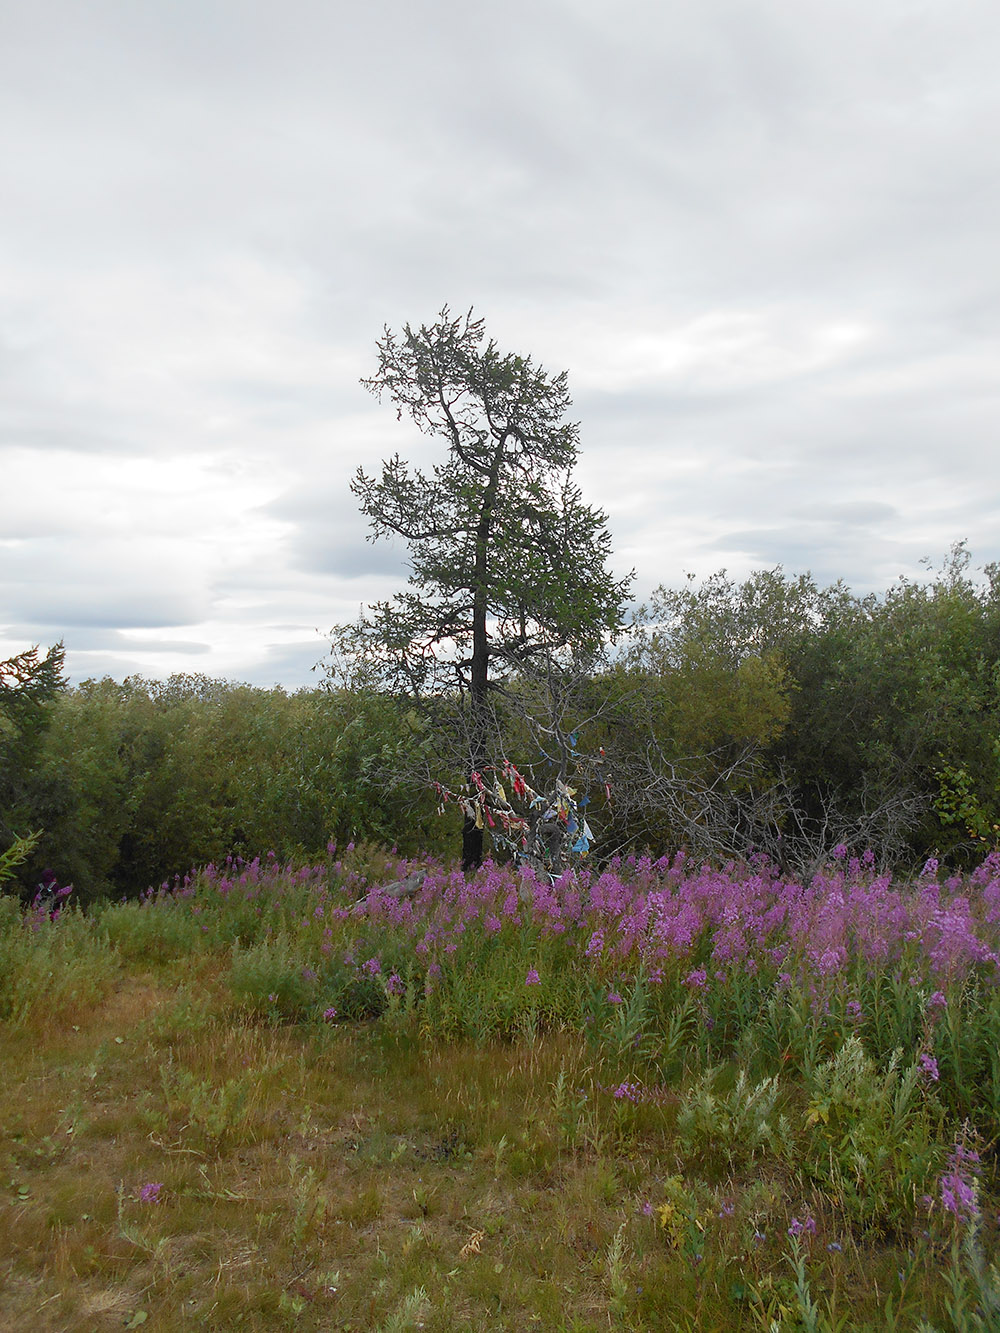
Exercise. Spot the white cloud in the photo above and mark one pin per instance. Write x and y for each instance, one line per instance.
(761, 239)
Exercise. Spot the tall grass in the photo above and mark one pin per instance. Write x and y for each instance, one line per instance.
(769, 1083)
(51, 966)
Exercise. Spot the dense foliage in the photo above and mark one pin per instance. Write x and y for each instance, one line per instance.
(771, 715)
(29, 682)
(741, 963)
(783, 716)
(140, 779)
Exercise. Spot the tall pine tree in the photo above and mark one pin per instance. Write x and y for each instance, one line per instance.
(507, 561)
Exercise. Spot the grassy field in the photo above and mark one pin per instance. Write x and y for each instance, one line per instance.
(273, 1097)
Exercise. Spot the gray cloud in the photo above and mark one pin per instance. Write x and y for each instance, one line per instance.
(761, 239)
(89, 639)
(291, 663)
(75, 606)
(68, 582)
(328, 535)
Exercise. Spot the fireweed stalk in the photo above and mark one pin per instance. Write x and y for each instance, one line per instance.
(677, 923)
(654, 914)
(901, 964)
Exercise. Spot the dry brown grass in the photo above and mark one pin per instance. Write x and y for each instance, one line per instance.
(323, 1179)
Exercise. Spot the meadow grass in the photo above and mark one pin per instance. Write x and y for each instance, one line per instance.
(663, 1097)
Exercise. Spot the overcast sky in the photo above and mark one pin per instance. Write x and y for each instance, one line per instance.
(761, 236)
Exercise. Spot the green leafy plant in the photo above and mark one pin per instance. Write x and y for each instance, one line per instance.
(270, 979)
(739, 1121)
(871, 1132)
(211, 1114)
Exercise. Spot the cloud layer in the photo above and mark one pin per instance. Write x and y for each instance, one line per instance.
(760, 238)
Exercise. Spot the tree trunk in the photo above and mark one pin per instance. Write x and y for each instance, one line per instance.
(472, 837)
(472, 845)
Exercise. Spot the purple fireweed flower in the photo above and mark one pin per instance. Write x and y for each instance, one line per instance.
(957, 1184)
(532, 979)
(595, 944)
(958, 1195)
(330, 1014)
(629, 1092)
(829, 961)
(930, 1067)
(150, 1193)
(373, 967)
(663, 918)
(395, 984)
(614, 997)
(840, 852)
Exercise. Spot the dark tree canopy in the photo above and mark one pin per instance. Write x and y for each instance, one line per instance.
(507, 561)
(29, 682)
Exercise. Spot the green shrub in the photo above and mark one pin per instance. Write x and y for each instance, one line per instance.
(143, 933)
(270, 980)
(58, 967)
(872, 1134)
(738, 1122)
